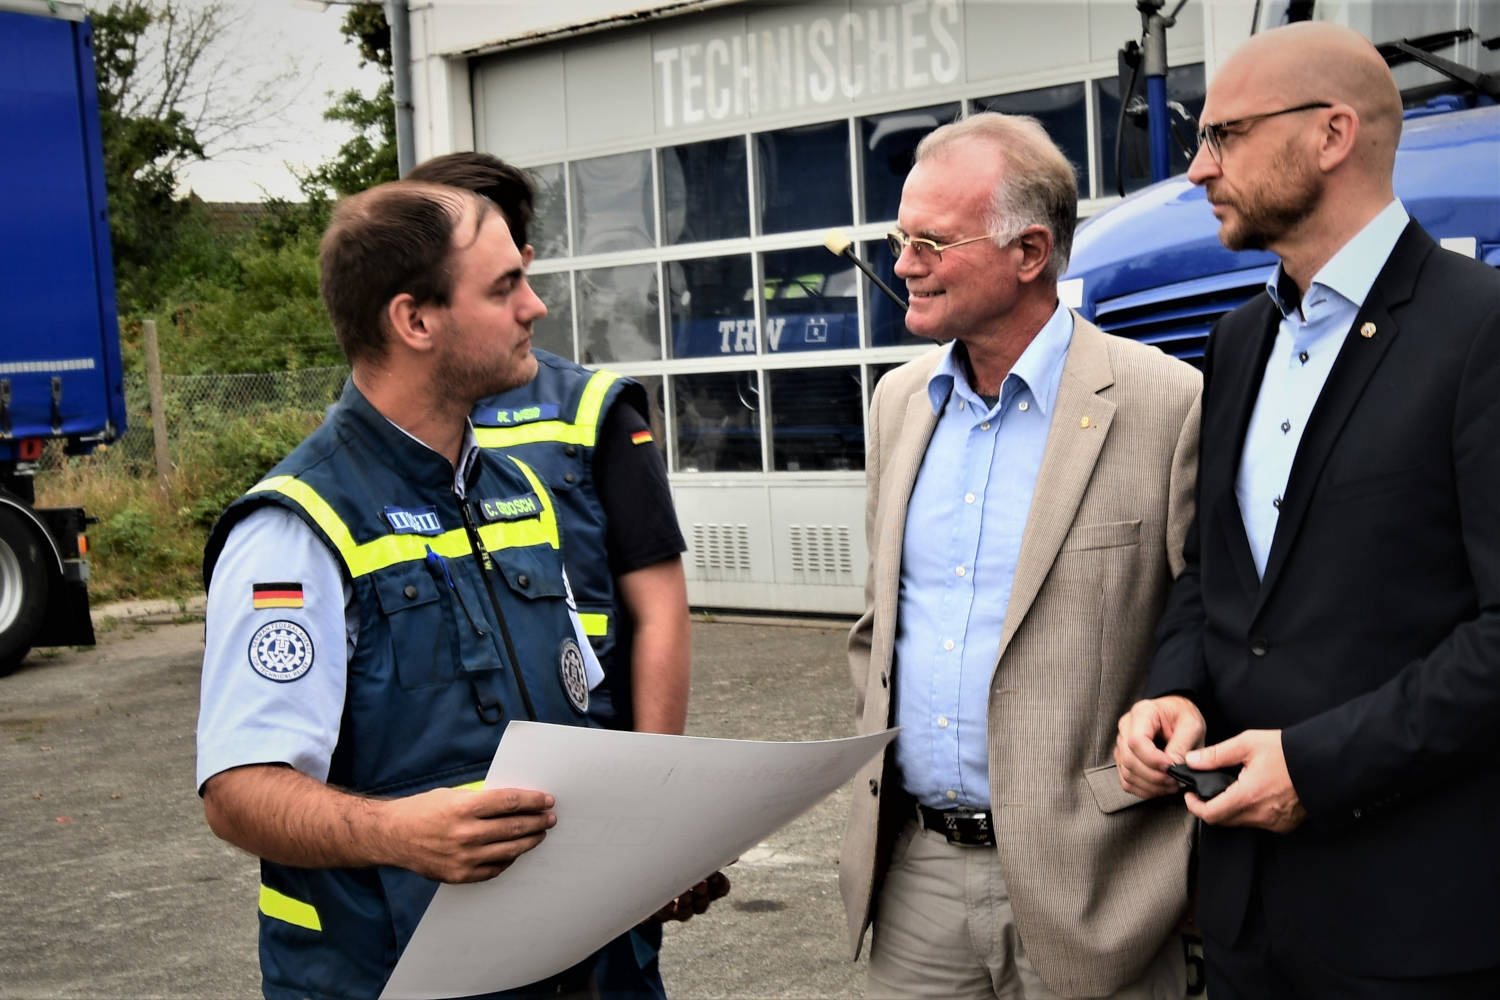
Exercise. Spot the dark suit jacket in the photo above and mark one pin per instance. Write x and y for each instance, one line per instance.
(1373, 640)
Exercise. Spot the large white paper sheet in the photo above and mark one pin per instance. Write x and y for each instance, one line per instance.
(640, 818)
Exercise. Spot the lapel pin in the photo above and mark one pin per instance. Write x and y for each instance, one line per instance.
(1085, 422)
(1367, 331)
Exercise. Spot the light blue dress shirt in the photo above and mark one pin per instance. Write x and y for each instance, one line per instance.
(1307, 342)
(958, 559)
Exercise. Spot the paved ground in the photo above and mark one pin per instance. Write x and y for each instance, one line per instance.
(112, 885)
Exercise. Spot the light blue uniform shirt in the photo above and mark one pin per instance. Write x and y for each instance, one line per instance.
(963, 536)
(243, 718)
(1307, 342)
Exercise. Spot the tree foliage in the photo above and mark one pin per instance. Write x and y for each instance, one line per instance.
(142, 151)
(369, 158)
(171, 79)
(223, 301)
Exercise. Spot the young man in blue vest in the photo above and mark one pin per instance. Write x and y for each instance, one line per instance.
(383, 603)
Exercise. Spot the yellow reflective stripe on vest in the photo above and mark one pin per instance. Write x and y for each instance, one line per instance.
(584, 430)
(594, 624)
(390, 550)
(280, 907)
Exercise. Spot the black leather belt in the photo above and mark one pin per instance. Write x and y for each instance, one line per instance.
(968, 827)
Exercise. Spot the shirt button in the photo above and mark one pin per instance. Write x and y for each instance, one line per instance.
(569, 478)
(962, 405)
(985, 426)
(1276, 503)
(1024, 406)
(884, 680)
(968, 498)
(410, 592)
(874, 787)
(523, 581)
(947, 643)
(1302, 357)
(942, 722)
(1259, 646)
(961, 571)
(951, 794)
(1286, 425)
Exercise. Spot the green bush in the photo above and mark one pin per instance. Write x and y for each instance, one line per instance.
(216, 467)
(148, 543)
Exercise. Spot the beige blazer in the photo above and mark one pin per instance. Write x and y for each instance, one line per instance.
(1097, 877)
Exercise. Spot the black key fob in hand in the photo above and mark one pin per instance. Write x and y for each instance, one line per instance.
(1204, 784)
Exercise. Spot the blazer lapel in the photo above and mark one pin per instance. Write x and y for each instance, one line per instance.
(1368, 339)
(1081, 420)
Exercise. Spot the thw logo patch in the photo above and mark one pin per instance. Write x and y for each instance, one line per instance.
(416, 521)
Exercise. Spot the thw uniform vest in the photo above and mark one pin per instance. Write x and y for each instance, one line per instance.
(436, 673)
(552, 424)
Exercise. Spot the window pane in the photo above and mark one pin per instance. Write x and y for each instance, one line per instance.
(803, 177)
(817, 419)
(887, 320)
(554, 332)
(705, 191)
(810, 301)
(617, 314)
(549, 226)
(1062, 113)
(718, 422)
(612, 204)
(1185, 88)
(712, 312)
(887, 143)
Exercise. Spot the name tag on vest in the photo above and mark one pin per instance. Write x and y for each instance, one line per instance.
(520, 415)
(515, 509)
(418, 521)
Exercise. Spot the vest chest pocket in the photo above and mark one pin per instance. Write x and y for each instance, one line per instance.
(421, 625)
(532, 571)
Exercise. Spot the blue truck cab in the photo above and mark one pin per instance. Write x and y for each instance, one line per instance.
(1152, 268)
(60, 370)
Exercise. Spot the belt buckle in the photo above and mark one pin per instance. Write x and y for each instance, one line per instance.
(967, 828)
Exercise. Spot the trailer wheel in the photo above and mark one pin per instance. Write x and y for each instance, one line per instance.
(24, 581)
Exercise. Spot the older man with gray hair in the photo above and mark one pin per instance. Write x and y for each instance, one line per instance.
(1029, 488)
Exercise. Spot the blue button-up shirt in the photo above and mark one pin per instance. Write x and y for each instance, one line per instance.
(1307, 342)
(963, 536)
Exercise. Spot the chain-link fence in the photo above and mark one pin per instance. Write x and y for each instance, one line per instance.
(199, 406)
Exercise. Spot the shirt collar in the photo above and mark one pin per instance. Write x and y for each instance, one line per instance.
(1039, 368)
(1352, 270)
(468, 452)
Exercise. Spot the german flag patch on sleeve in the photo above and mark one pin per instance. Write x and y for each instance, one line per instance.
(277, 595)
(641, 437)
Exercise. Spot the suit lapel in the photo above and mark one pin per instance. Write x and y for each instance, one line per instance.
(1081, 420)
(1358, 359)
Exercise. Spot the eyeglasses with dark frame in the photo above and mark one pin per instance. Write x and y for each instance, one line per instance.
(898, 241)
(1211, 134)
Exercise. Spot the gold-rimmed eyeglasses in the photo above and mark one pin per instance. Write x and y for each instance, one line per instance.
(898, 241)
(1211, 134)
